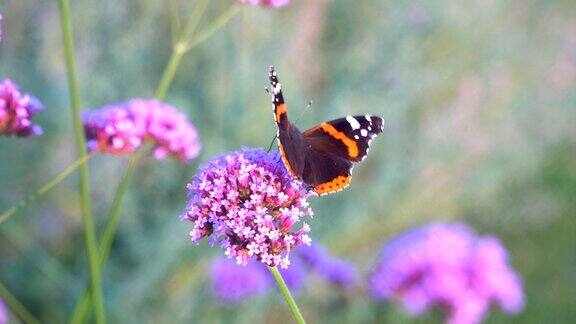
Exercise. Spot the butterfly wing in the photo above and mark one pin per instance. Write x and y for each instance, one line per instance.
(348, 137)
(332, 147)
(325, 172)
(291, 143)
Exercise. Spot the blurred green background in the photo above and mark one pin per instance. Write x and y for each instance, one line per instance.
(479, 99)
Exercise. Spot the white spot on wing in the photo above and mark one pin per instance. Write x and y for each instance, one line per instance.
(368, 118)
(353, 122)
(364, 132)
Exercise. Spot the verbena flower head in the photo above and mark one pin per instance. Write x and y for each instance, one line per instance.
(247, 201)
(17, 110)
(266, 3)
(122, 128)
(446, 265)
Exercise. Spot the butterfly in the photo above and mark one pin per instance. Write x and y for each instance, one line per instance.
(323, 156)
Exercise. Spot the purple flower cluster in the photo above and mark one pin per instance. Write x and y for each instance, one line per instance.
(122, 128)
(248, 202)
(17, 110)
(446, 265)
(232, 283)
(266, 3)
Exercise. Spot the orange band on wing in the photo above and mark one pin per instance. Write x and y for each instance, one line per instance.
(279, 111)
(285, 159)
(336, 184)
(350, 143)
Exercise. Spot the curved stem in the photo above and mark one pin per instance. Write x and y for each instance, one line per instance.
(16, 306)
(44, 189)
(89, 232)
(287, 296)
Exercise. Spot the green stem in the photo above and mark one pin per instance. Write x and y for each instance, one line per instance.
(179, 48)
(287, 296)
(194, 19)
(44, 189)
(169, 72)
(218, 23)
(16, 306)
(83, 305)
(89, 232)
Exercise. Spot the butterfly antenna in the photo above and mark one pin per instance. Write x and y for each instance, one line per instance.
(308, 106)
(271, 143)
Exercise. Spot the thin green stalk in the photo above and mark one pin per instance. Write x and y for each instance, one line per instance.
(169, 72)
(194, 19)
(83, 305)
(89, 232)
(44, 189)
(16, 306)
(179, 48)
(213, 27)
(287, 296)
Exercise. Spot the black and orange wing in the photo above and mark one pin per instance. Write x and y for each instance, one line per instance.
(348, 137)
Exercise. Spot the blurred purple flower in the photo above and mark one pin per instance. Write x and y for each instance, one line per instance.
(233, 283)
(295, 275)
(248, 202)
(122, 128)
(3, 313)
(17, 110)
(266, 3)
(447, 265)
(336, 271)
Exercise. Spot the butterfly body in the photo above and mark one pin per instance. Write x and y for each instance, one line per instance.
(323, 156)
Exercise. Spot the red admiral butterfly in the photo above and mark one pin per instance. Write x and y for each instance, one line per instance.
(322, 156)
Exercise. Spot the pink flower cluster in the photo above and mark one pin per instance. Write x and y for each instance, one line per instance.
(266, 3)
(17, 110)
(248, 202)
(122, 128)
(446, 265)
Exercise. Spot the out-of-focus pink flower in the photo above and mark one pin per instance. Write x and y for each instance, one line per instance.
(248, 202)
(3, 313)
(446, 265)
(266, 3)
(122, 128)
(17, 110)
